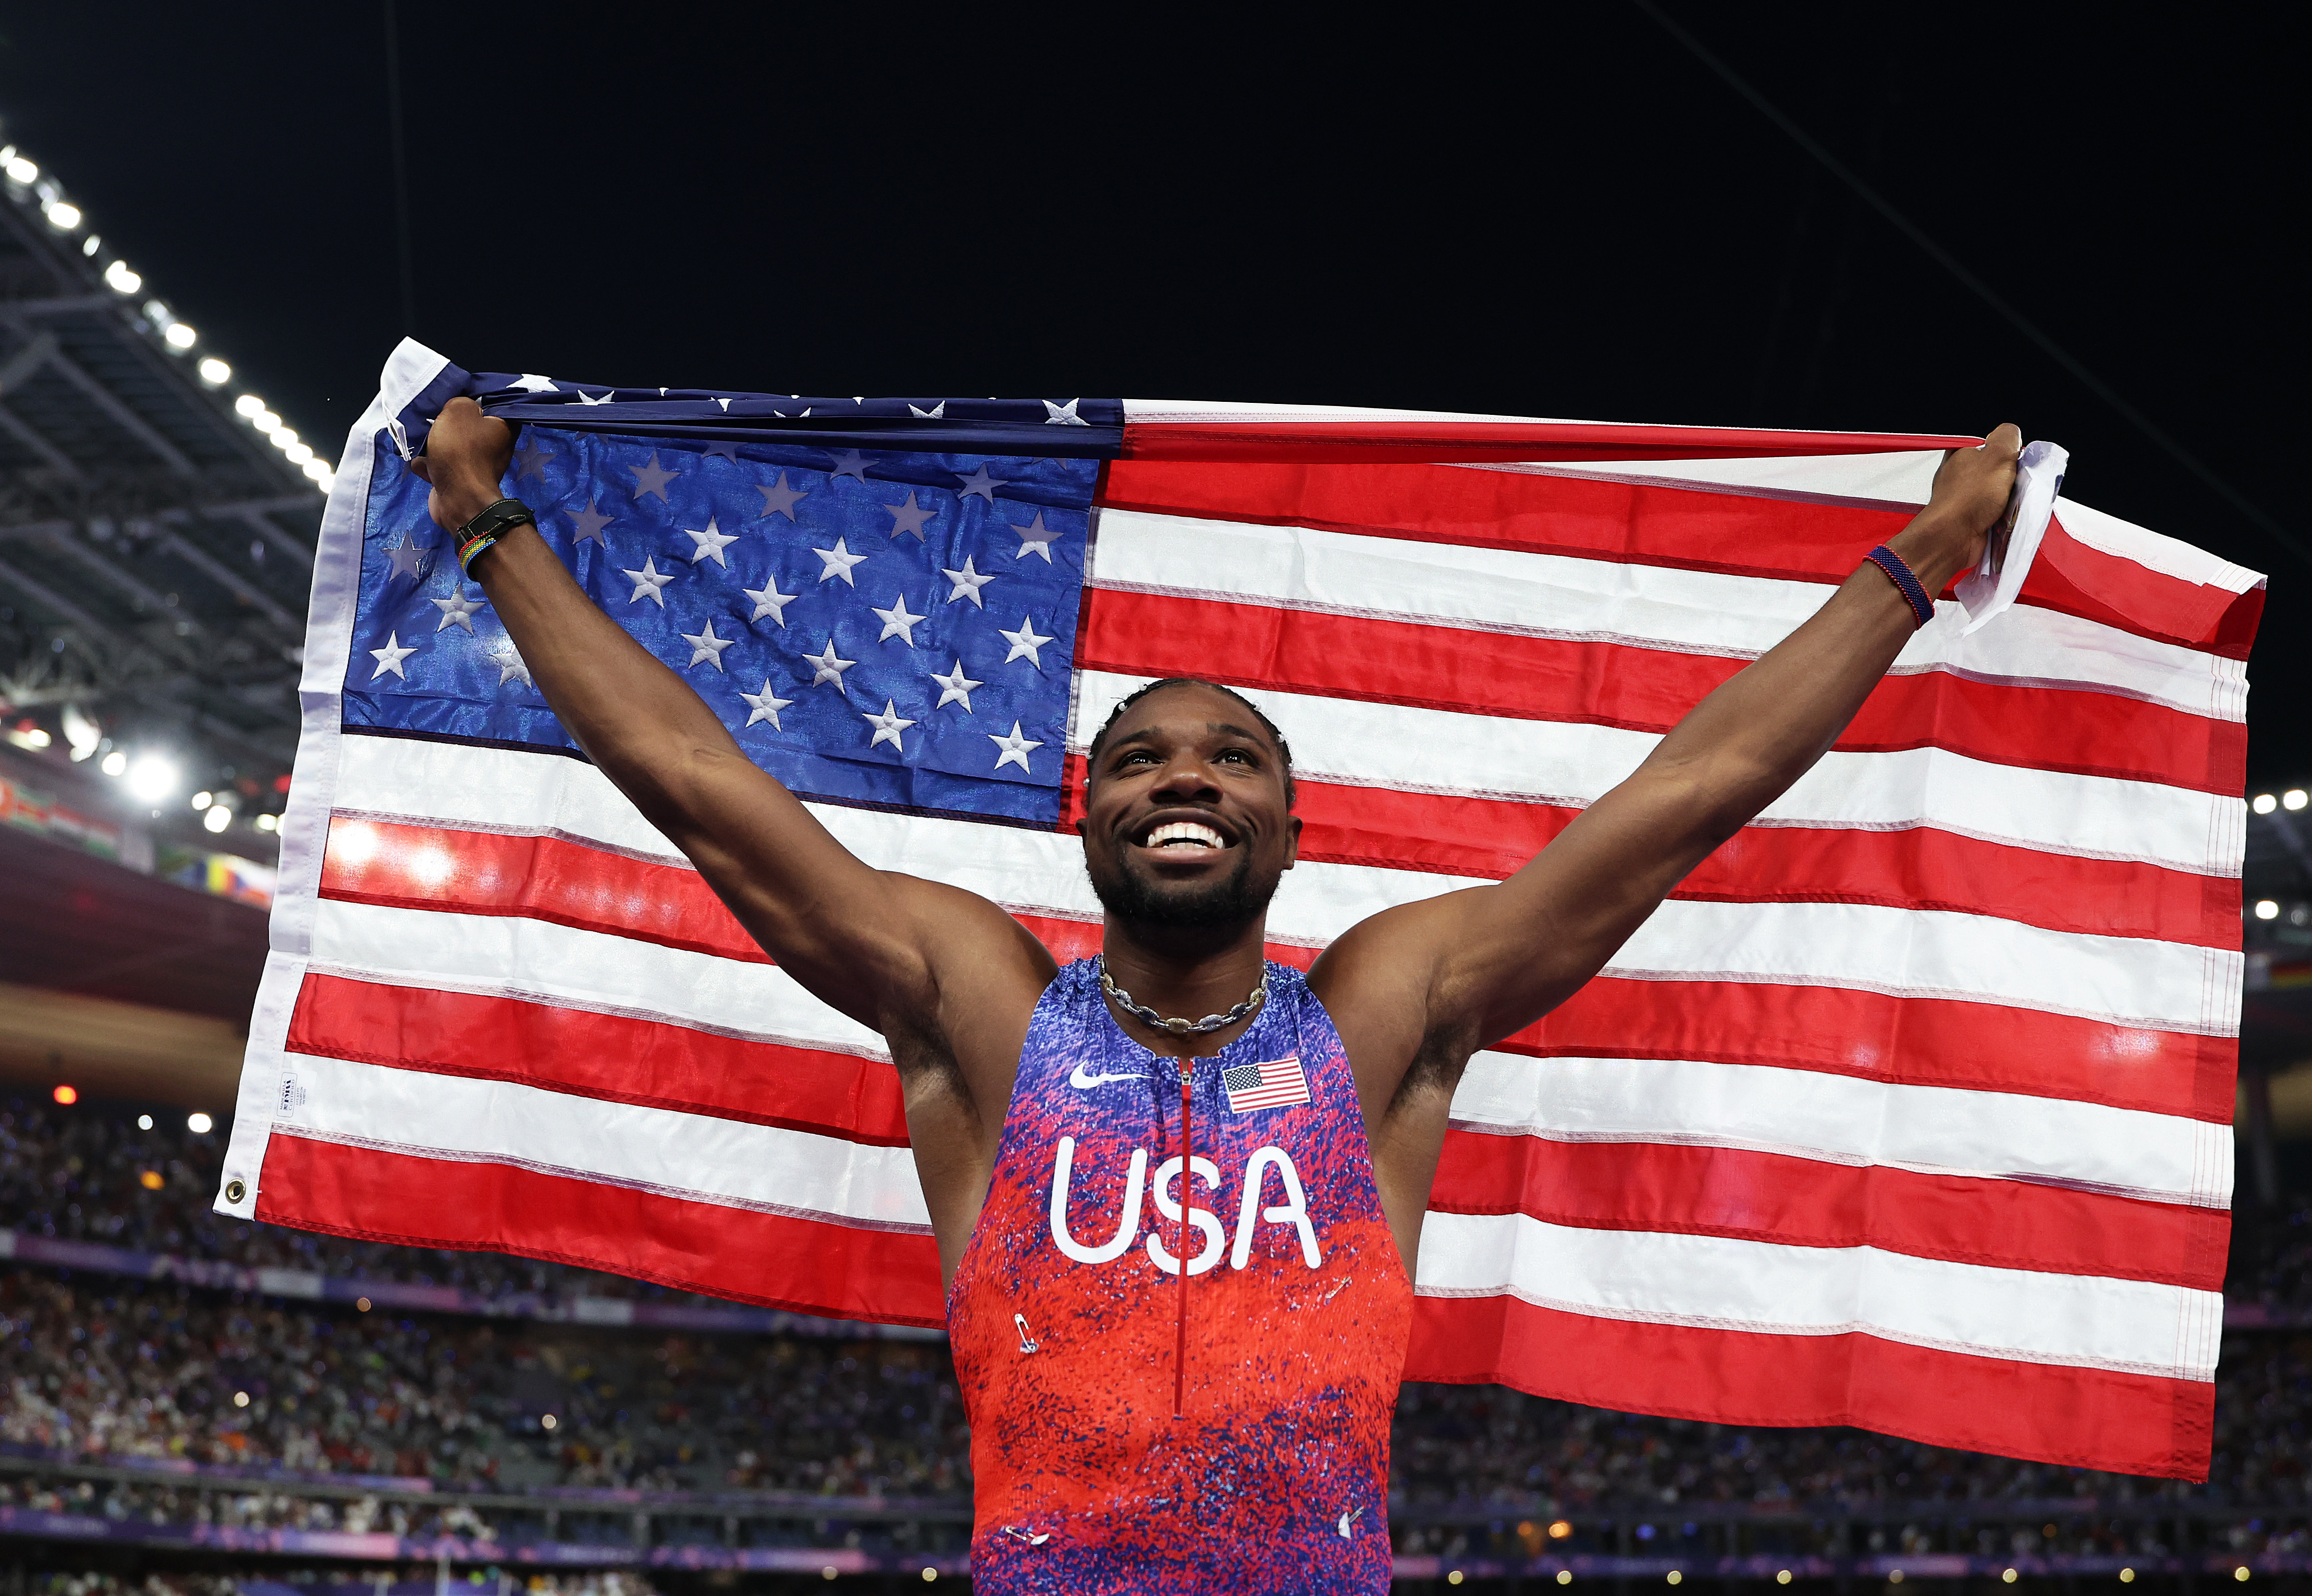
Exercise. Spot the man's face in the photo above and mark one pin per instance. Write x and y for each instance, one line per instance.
(1187, 824)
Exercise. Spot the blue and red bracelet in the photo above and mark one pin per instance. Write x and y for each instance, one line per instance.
(1922, 607)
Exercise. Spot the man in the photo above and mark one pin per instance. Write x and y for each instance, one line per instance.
(1176, 1190)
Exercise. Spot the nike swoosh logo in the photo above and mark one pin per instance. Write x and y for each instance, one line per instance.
(1084, 1083)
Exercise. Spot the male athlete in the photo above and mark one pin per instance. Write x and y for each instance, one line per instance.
(1137, 1427)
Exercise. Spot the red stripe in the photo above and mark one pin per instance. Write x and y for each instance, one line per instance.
(2088, 1419)
(1765, 1196)
(1920, 868)
(1261, 441)
(1643, 690)
(844, 1272)
(1920, 1041)
(1923, 1041)
(1630, 523)
(619, 1058)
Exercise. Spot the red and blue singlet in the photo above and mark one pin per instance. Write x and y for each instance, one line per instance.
(1136, 1429)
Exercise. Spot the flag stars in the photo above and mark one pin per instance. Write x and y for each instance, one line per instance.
(408, 557)
(510, 665)
(849, 463)
(967, 584)
(982, 482)
(1013, 749)
(1063, 415)
(532, 461)
(827, 669)
(896, 622)
(652, 478)
(768, 601)
(649, 580)
(781, 500)
(910, 516)
(838, 561)
(711, 544)
(590, 522)
(888, 725)
(1024, 642)
(457, 609)
(936, 413)
(706, 648)
(764, 705)
(389, 657)
(955, 688)
(1036, 538)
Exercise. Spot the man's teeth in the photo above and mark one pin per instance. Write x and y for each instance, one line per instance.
(1184, 831)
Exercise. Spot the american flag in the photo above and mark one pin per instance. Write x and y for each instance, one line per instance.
(1273, 1083)
(1910, 1109)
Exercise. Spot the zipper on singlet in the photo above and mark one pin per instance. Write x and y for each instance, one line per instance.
(1180, 1241)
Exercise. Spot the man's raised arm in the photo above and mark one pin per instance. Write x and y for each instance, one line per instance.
(879, 946)
(1470, 968)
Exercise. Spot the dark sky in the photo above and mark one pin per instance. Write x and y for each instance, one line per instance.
(1539, 212)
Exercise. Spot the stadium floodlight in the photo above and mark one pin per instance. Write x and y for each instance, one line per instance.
(2263, 804)
(144, 1122)
(202, 799)
(283, 438)
(218, 818)
(299, 454)
(267, 823)
(266, 422)
(2294, 798)
(181, 335)
(21, 170)
(2267, 909)
(248, 405)
(151, 778)
(215, 372)
(64, 218)
(114, 763)
(320, 471)
(198, 1123)
(121, 279)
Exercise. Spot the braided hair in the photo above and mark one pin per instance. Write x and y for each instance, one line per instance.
(1283, 748)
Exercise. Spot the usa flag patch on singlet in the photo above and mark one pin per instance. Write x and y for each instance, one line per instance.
(1276, 1084)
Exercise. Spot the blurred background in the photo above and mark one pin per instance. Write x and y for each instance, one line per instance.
(214, 225)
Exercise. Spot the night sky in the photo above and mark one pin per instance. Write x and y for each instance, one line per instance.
(1535, 212)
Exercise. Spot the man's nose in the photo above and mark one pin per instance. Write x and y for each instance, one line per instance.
(1186, 776)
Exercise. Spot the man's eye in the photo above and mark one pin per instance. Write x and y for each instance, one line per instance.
(1238, 754)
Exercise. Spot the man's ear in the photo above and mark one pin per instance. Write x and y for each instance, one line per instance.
(1291, 841)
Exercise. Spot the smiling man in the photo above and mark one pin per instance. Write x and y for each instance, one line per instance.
(1176, 1189)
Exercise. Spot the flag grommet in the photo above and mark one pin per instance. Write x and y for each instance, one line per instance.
(235, 1190)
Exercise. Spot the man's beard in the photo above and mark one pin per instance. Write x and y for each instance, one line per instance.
(1133, 897)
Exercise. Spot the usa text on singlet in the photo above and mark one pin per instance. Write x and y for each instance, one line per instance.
(1135, 1429)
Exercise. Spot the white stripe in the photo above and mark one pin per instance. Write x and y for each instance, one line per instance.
(1936, 1130)
(2155, 551)
(1387, 745)
(1709, 1281)
(1894, 477)
(696, 1157)
(2131, 980)
(505, 955)
(1602, 601)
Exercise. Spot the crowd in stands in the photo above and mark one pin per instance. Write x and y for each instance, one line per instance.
(105, 1369)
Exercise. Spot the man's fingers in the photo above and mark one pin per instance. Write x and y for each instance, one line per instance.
(2006, 439)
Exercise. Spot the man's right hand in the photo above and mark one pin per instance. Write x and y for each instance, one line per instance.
(465, 460)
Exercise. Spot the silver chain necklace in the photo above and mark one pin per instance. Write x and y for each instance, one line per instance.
(1182, 1027)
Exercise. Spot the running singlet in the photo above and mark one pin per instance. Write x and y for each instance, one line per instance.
(1135, 1430)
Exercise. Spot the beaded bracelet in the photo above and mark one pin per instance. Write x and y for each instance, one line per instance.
(1922, 607)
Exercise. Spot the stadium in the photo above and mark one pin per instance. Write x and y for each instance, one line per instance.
(193, 1401)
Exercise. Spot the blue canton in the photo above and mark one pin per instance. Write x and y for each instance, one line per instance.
(877, 627)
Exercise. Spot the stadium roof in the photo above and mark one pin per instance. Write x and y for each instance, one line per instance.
(156, 520)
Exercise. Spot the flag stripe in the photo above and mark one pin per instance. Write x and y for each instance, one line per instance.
(750, 1255)
(1503, 595)
(1765, 1196)
(1653, 1276)
(691, 1157)
(2088, 1417)
(1644, 524)
(618, 1057)
(1931, 1130)
(1176, 430)
(1548, 680)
